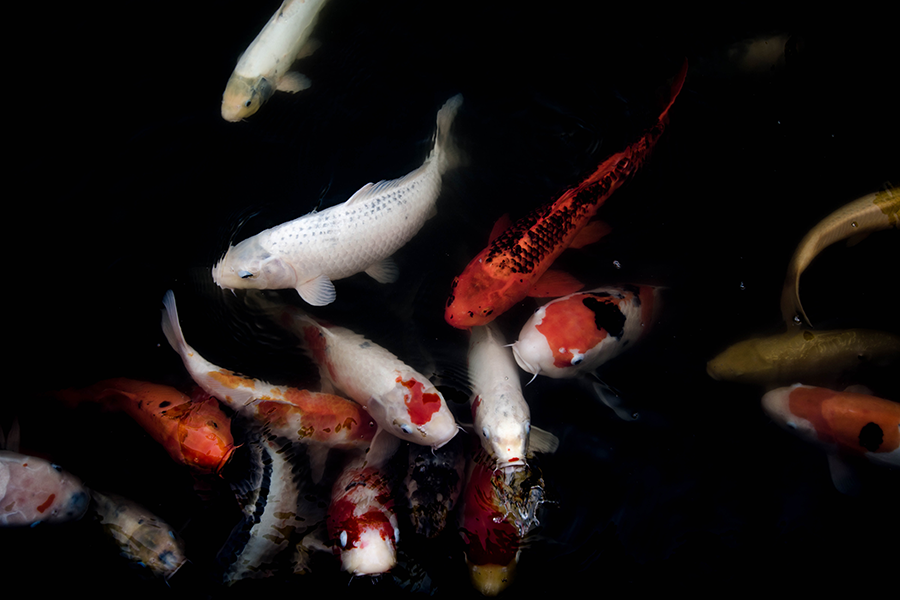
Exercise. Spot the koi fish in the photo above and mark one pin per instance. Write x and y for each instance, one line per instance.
(804, 355)
(499, 507)
(433, 483)
(295, 414)
(402, 401)
(361, 234)
(33, 490)
(502, 274)
(194, 432)
(873, 212)
(277, 504)
(263, 67)
(141, 536)
(362, 520)
(575, 334)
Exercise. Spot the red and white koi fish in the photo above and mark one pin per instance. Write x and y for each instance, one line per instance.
(361, 519)
(502, 274)
(141, 536)
(361, 234)
(843, 422)
(499, 508)
(33, 490)
(577, 333)
(873, 212)
(295, 414)
(402, 401)
(195, 432)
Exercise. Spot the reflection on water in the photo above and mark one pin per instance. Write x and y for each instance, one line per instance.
(139, 186)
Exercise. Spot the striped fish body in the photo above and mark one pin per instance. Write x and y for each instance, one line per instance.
(502, 274)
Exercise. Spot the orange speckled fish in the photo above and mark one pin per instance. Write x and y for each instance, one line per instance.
(504, 272)
(194, 431)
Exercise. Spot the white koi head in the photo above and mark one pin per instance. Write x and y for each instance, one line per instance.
(503, 427)
(250, 266)
(415, 411)
(244, 96)
(374, 551)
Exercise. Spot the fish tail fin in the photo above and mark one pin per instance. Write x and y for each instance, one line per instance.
(791, 308)
(445, 152)
(171, 327)
(675, 89)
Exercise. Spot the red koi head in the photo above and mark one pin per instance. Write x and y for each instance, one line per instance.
(204, 433)
(481, 293)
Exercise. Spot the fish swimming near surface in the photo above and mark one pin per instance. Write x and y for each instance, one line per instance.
(195, 432)
(264, 66)
(33, 490)
(500, 413)
(362, 519)
(141, 536)
(872, 212)
(502, 274)
(844, 423)
(575, 334)
(401, 400)
(809, 356)
(433, 483)
(361, 234)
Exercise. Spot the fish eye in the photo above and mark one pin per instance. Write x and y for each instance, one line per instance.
(343, 539)
(245, 274)
(396, 535)
(527, 426)
(248, 103)
(56, 468)
(791, 424)
(406, 429)
(577, 360)
(486, 432)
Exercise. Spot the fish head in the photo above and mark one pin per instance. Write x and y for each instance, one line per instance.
(777, 405)
(204, 435)
(158, 547)
(477, 298)
(504, 428)
(243, 96)
(742, 363)
(490, 579)
(250, 266)
(415, 411)
(373, 551)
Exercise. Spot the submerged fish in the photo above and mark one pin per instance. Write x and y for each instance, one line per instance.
(873, 212)
(362, 520)
(295, 414)
(33, 490)
(401, 400)
(575, 334)
(502, 274)
(433, 483)
(263, 67)
(141, 536)
(808, 356)
(361, 234)
(194, 432)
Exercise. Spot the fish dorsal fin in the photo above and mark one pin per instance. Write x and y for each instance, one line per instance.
(554, 284)
(590, 234)
(371, 190)
(502, 224)
(318, 291)
(293, 82)
(384, 271)
(540, 440)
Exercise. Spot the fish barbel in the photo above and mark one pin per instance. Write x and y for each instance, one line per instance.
(263, 67)
(361, 234)
(502, 274)
(872, 212)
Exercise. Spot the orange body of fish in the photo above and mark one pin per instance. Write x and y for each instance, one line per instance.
(193, 430)
(503, 273)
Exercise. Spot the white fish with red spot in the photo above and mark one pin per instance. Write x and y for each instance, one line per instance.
(361, 234)
(33, 490)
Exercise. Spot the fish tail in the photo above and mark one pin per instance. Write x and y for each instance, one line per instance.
(791, 307)
(445, 153)
(170, 325)
(676, 89)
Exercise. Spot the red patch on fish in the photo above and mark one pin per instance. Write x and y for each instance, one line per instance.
(570, 325)
(47, 504)
(420, 406)
(475, 404)
(489, 537)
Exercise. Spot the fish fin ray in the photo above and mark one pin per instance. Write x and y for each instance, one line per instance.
(384, 271)
(318, 291)
(293, 82)
(591, 233)
(540, 440)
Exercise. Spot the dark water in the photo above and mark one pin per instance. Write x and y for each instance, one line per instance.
(130, 184)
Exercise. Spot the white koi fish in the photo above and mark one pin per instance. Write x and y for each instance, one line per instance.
(361, 234)
(263, 67)
(873, 212)
(33, 490)
(402, 401)
(501, 414)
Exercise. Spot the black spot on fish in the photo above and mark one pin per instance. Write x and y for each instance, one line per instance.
(606, 316)
(164, 403)
(871, 437)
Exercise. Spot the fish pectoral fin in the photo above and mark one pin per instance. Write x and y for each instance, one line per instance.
(384, 271)
(843, 475)
(293, 82)
(540, 440)
(318, 291)
(308, 48)
(609, 396)
(502, 224)
(554, 284)
(591, 233)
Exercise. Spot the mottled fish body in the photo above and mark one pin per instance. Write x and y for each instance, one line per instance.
(576, 334)
(33, 490)
(810, 356)
(141, 536)
(872, 212)
(310, 252)
(433, 483)
(264, 66)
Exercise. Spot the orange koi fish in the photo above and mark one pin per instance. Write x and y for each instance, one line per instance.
(504, 272)
(194, 431)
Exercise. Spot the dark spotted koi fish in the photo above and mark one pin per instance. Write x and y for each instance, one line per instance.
(503, 273)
